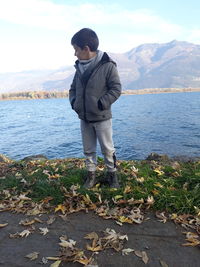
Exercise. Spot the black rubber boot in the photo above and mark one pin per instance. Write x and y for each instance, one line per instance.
(113, 180)
(91, 180)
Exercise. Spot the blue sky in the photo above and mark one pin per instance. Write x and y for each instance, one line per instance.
(36, 34)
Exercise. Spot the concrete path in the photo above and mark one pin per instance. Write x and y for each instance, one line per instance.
(161, 242)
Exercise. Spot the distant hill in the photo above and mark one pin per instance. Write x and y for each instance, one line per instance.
(170, 65)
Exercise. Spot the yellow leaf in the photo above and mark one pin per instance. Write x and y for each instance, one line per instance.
(3, 225)
(124, 219)
(159, 172)
(84, 261)
(87, 199)
(158, 185)
(155, 192)
(61, 208)
(192, 243)
(127, 189)
(118, 197)
(140, 180)
(56, 264)
(97, 248)
(55, 176)
(174, 216)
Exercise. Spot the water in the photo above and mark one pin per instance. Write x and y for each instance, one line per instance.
(162, 123)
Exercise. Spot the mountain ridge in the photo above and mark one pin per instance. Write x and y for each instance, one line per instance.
(174, 64)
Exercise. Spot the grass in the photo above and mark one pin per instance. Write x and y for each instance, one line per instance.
(174, 189)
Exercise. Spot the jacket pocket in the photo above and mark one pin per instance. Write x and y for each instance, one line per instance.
(92, 105)
(77, 105)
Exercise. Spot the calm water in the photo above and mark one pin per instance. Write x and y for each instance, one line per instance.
(163, 123)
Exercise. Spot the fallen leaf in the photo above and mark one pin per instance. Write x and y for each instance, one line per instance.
(53, 258)
(119, 223)
(85, 261)
(44, 231)
(138, 253)
(56, 263)
(124, 219)
(163, 264)
(159, 172)
(158, 185)
(94, 249)
(32, 256)
(34, 211)
(192, 243)
(126, 251)
(3, 225)
(67, 244)
(60, 207)
(25, 233)
(26, 222)
(150, 200)
(161, 216)
(190, 235)
(51, 220)
(23, 197)
(143, 255)
(140, 180)
(91, 235)
(127, 189)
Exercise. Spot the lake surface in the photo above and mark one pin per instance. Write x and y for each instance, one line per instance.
(161, 123)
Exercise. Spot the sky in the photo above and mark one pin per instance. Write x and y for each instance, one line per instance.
(36, 34)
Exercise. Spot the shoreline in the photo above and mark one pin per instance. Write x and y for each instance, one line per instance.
(152, 156)
(30, 95)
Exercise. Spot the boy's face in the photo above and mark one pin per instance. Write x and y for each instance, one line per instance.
(81, 54)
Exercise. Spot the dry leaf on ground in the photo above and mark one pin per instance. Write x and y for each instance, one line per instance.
(161, 216)
(51, 220)
(44, 231)
(56, 263)
(24, 233)
(143, 255)
(67, 244)
(32, 256)
(126, 251)
(3, 225)
(163, 264)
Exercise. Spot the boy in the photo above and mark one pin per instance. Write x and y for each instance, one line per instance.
(96, 85)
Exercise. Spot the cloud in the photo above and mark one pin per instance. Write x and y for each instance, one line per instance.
(119, 30)
(46, 14)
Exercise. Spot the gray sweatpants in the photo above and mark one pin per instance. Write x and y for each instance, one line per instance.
(101, 131)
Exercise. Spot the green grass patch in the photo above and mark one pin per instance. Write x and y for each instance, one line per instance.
(174, 190)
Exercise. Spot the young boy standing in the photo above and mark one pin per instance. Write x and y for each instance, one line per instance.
(96, 85)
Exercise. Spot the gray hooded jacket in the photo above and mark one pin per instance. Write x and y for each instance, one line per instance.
(93, 92)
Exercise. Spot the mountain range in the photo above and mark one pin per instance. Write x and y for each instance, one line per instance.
(175, 64)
